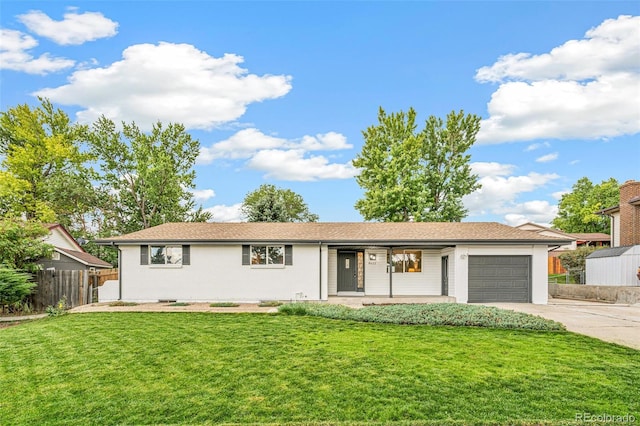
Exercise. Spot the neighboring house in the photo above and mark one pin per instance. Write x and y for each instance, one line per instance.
(472, 262)
(619, 265)
(592, 239)
(68, 254)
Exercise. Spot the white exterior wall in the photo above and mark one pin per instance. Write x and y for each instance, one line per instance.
(539, 277)
(216, 273)
(108, 292)
(60, 239)
(615, 271)
(615, 226)
(425, 283)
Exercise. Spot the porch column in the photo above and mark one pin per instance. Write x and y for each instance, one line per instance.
(390, 263)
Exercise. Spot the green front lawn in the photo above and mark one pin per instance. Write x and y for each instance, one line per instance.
(198, 368)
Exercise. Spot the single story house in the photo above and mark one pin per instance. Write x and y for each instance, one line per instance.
(67, 253)
(473, 262)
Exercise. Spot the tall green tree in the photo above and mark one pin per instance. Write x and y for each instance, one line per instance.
(416, 174)
(145, 178)
(42, 174)
(577, 209)
(22, 245)
(271, 204)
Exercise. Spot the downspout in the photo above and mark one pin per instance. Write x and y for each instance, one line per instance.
(390, 257)
(319, 270)
(119, 274)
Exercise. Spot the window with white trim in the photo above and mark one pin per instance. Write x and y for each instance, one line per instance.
(267, 255)
(406, 261)
(165, 255)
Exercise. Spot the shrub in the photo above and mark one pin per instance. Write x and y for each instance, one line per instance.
(574, 261)
(269, 304)
(59, 309)
(122, 303)
(179, 304)
(224, 305)
(452, 314)
(15, 286)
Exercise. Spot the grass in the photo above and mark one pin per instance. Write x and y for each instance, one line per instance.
(455, 314)
(199, 368)
(224, 305)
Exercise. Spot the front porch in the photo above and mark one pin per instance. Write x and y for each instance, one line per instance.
(360, 301)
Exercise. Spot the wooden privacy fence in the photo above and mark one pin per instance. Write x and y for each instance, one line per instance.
(76, 286)
(555, 267)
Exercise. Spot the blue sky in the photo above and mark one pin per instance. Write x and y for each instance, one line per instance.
(279, 92)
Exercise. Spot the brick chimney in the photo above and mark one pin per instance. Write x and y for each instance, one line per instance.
(630, 213)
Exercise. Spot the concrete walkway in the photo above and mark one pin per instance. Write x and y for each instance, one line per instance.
(609, 322)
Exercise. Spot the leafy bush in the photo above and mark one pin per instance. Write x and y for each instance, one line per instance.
(122, 303)
(224, 305)
(575, 262)
(59, 309)
(179, 304)
(15, 286)
(452, 314)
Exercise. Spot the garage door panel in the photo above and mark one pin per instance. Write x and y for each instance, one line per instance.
(499, 278)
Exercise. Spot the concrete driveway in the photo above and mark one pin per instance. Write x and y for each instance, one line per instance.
(609, 322)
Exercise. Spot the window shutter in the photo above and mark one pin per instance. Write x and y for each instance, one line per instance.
(144, 255)
(246, 255)
(186, 255)
(288, 255)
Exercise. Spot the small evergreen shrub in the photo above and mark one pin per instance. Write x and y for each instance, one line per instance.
(224, 305)
(15, 286)
(122, 303)
(451, 314)
(269, 304)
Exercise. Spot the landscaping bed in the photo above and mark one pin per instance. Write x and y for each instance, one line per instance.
(454, 314)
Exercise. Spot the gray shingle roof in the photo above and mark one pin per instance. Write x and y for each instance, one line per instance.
(334, 232)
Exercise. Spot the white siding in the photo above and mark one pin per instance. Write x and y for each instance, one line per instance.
(376, 277)
(60, 239)
(615, 225)
(425, 283)
(615, 271)
(216, 273)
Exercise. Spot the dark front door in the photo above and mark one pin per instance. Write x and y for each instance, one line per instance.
(347, 271)
(445, 275)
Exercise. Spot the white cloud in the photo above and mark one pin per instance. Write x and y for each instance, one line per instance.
(581, 89)
(491, 169)
(500, 189)
(248, 142)
(540, 212)
(14, 55)
(168, 82)
(280, 158)
(202, 195)
(224, 213)
(74, 29)
(535, 146)
(292, 165)
(558, 194)
(547, 158)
